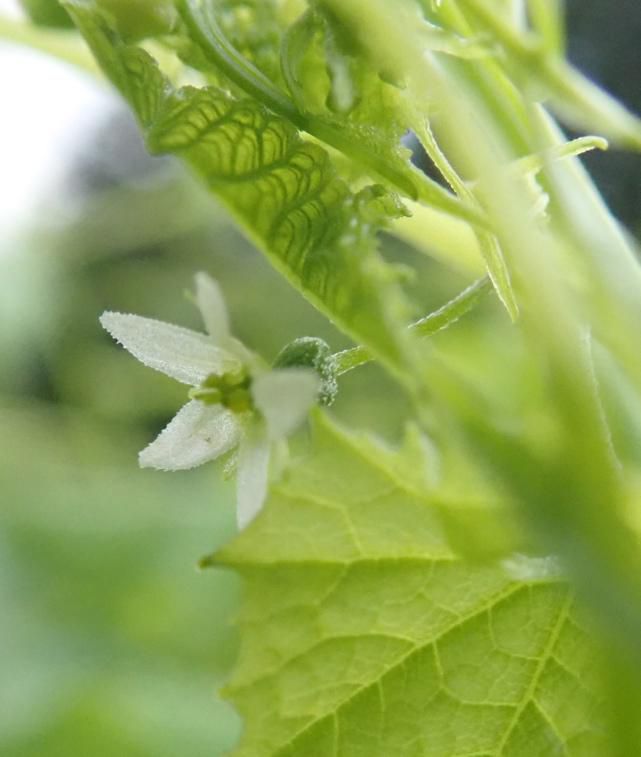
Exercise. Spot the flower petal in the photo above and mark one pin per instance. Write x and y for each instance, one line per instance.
(241, 353)
(185, 355)
(196, 434)
(252, 475)
(213, 310)
(284, 397)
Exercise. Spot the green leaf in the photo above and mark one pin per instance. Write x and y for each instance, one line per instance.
(284, 191)
(250, 34)
(289, 198)
(131, 69)
(138, 19)
(363, 634)
(255, 27)
(363, 146)
(46, 13)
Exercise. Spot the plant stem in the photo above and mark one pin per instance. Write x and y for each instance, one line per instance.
(537, 161)
(445, 316)
(574, 95)
(488, 245)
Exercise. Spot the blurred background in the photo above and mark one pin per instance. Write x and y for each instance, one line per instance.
(111, 643)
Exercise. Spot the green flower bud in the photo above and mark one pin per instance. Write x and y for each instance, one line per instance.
(311, 352)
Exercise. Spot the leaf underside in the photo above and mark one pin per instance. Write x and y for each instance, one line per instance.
(362, 634)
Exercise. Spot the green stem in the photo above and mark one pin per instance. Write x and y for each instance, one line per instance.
(547, 20)
(532, 164)
(295, 43)
(445, 316)
(507, 34)
(225, 57)
(438, 157)
(490, 81)
(488, 245)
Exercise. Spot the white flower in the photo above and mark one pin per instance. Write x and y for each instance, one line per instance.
(236, 400)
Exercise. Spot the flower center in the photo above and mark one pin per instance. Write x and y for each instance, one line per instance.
(232, 390)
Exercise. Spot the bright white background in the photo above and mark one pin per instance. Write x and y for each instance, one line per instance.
(45, 107)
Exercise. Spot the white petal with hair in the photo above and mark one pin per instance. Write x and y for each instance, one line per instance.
(284, 397)
(252, 474)
(213, 310)
(182, 354)
(196, 434)
(201, 432)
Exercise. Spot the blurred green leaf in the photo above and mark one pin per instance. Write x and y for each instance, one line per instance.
(102, 632)
(47, 13)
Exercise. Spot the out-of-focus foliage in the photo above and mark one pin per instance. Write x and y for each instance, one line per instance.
(606, 46)
(47, 13)
(105, 647)
(114, 645)
(102, 629)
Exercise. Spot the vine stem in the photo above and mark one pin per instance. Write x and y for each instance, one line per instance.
(488, 244)
(224, 55)
(445, 316)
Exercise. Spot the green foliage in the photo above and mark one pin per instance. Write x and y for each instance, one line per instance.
(285, 191)
(112, 636)
(255, 28)
(412, 602)
(47, 13)
(364, 634)
(140, 18)
(288, 194)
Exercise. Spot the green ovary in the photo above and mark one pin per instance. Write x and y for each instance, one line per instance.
(232, 390)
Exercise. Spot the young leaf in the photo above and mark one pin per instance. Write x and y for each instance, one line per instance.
(365, 146)
(363, 634)
(131, 69)
(283, 190)
(255, 27)
(288, 197)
